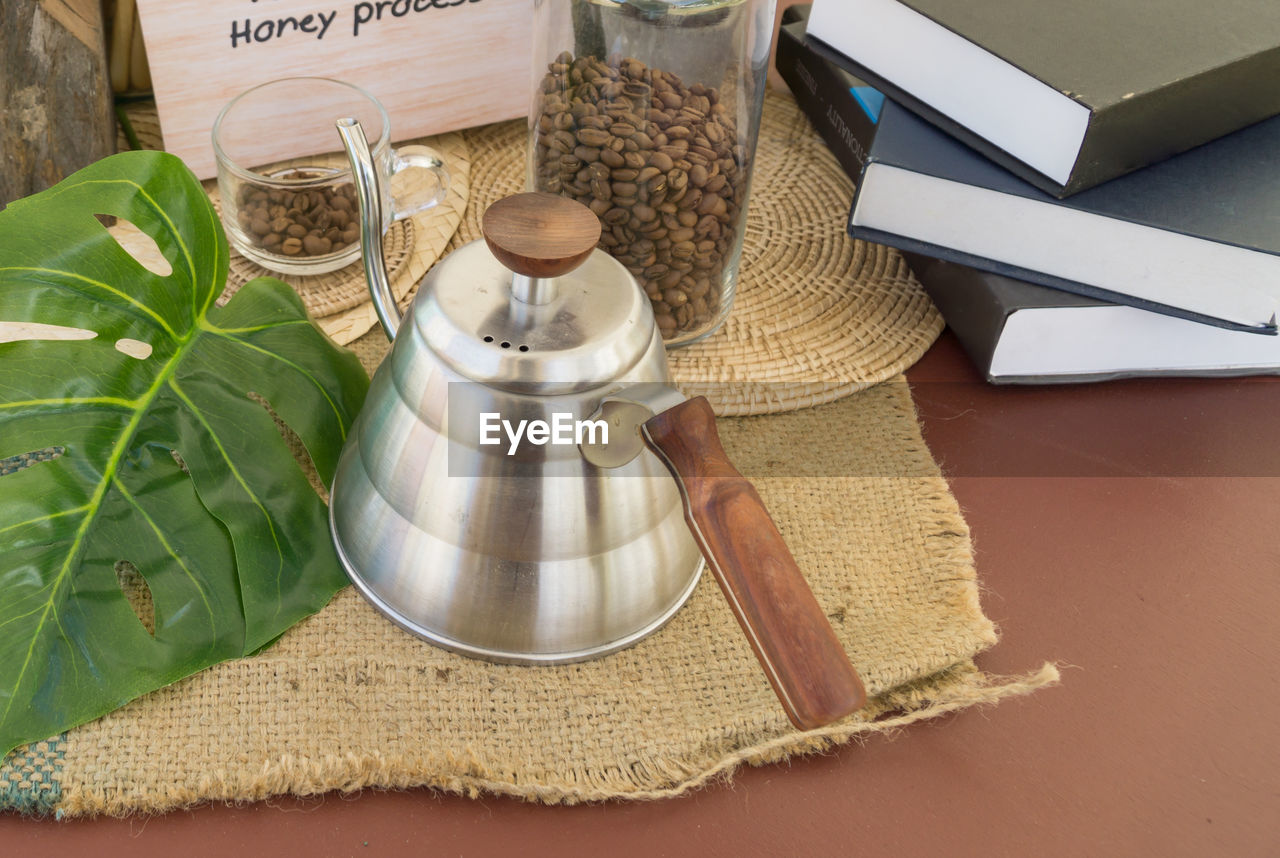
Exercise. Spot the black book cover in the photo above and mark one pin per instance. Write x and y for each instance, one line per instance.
(1227, 192)
(1157, 77)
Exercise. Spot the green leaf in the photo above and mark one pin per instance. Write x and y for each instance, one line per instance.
(231, 539)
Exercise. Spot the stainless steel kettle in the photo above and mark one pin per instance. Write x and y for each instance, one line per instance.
(543, 552)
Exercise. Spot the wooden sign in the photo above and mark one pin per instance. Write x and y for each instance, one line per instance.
(436, 65)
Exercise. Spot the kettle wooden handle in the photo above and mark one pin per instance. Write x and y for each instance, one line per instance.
(792, 638)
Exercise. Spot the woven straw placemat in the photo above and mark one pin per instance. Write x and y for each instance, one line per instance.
(817, 315)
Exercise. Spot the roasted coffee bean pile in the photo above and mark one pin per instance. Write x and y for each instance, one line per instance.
(314, 222)
(659, 163)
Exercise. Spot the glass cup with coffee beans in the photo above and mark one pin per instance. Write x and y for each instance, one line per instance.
(647, 111)
(284, 182)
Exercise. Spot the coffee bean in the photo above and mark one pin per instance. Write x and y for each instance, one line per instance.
(281, 220)
(616, 216)
(661, 160)
(592, 137)
(657, 162)
(675, 297)
(670, 99)
(316, 245)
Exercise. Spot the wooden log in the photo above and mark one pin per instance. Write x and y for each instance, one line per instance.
(55, 93)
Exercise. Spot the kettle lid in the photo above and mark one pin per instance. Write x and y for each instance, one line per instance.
(534, 307)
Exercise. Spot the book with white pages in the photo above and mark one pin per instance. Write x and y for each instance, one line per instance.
(1195, 236)
(1018, 333)
(1066, 95)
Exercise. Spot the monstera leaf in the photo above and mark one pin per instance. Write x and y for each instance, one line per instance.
(149, 443)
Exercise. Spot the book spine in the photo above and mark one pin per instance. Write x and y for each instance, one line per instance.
(824, 93)
(972, 310)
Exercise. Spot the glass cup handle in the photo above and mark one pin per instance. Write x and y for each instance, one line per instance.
(426, 158)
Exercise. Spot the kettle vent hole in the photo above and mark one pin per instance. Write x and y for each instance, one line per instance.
(488, 339)
(505, 344)
(524, 348)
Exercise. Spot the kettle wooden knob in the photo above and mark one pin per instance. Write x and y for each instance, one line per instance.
(539, 234)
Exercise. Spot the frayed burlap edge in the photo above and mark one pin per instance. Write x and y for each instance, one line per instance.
(956, 688)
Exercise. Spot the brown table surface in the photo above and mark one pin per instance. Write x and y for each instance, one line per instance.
(1124, 530)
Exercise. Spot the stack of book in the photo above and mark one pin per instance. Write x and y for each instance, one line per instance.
(1087, 190)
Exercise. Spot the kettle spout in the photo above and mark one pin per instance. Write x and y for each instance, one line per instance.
(369, 202)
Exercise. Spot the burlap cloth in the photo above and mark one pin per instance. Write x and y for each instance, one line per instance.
(346, 700)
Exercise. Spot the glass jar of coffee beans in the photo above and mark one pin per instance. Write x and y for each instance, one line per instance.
(647, 111)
